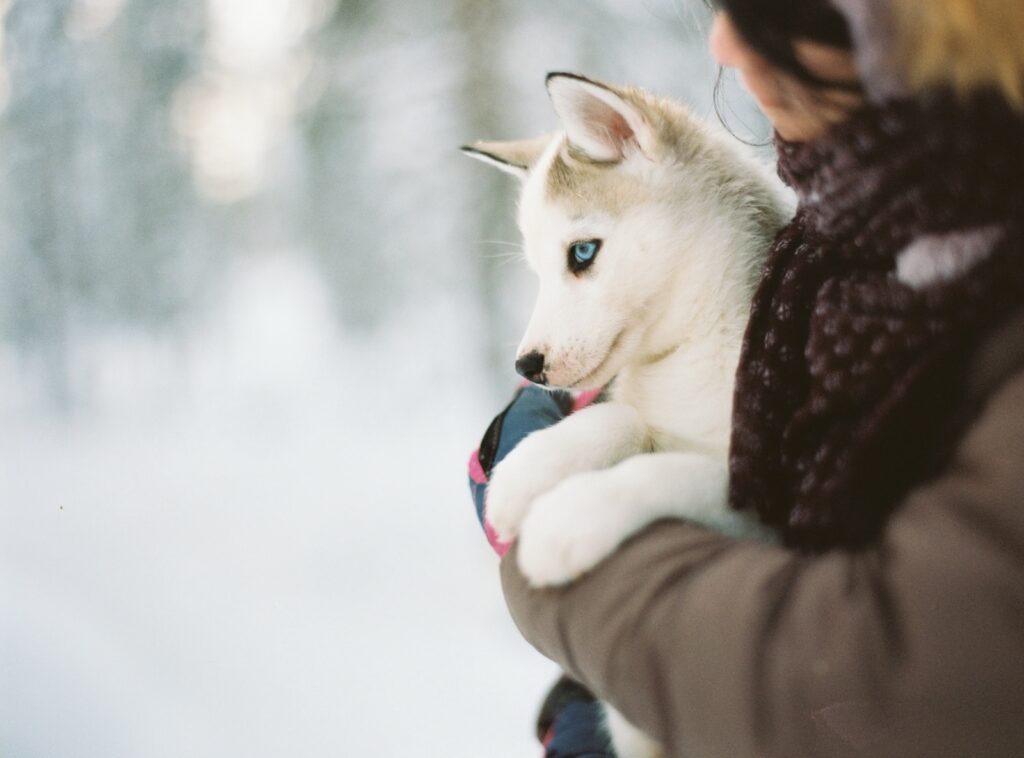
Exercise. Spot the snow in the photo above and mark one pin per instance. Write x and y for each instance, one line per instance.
(257, 541)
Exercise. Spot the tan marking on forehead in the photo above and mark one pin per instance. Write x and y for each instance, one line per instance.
(586, 186)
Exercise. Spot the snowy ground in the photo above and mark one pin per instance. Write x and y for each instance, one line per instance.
(256, 543)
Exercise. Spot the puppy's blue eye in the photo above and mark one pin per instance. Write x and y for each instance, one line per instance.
(582, 254)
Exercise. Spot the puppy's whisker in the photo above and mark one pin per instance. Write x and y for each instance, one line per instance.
(499, 242)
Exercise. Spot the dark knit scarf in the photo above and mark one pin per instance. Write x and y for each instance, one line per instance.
(850, 383)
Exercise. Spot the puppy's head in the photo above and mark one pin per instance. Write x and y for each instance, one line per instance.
(600, 222)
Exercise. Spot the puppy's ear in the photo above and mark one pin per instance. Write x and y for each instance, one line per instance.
(599, 120)
(516, 157)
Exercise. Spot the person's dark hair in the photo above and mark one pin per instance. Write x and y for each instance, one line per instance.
(771, 27)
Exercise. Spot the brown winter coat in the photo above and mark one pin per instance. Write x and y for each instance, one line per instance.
(913, 645)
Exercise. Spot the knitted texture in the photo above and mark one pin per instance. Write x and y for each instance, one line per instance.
(849, 388)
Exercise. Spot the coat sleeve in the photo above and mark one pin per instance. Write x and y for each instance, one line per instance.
(723, 648)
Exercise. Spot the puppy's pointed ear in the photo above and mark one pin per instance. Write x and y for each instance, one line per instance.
(516, 157)
(598, 119)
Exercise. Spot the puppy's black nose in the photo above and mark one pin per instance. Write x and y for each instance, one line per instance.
(531, 366)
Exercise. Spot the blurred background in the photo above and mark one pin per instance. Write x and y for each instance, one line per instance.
(255, 311)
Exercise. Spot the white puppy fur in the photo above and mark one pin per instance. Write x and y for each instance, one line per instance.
(682, 220)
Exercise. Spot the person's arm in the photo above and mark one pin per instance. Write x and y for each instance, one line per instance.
(722, 648)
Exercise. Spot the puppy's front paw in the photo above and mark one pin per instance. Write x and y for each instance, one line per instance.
(572, 528)
(526, 473)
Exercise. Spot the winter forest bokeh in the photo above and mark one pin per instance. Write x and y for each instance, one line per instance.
(255, 311)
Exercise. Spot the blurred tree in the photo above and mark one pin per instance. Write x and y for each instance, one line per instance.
(39, 133)
(339, 199)
(481, 29)
(149, 255)
(98, 213)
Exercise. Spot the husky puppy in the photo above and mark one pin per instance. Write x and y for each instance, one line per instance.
(647, 232)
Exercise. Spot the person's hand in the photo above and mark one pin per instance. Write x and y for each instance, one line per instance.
(571, 723)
